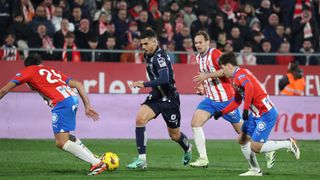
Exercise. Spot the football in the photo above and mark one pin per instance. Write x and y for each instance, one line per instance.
(111, 160)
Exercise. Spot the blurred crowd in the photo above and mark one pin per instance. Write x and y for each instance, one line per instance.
(243, 26)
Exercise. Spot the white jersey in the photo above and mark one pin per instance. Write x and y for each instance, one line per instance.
(217, 89)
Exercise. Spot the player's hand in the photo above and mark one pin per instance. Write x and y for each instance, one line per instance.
(199, 90)
(91, 113)
(138, 84)
(245, 115)
(200, 77)
(217, 115)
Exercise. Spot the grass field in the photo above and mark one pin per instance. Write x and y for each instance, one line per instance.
(39, 159)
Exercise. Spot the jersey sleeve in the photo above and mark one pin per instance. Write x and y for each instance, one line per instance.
(215, 57)
(65, 78)
(160, 63)
(22, 77)
(242, 79)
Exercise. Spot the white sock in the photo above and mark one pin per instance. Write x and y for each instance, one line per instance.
(80, 153)
(274, 145)
(78, 141)
(200, 141)
(143, 157)
(250, 156)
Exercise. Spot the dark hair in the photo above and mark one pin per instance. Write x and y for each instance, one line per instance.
(93, 38)
(228, 58)
(33, 59)
(295, 70)
(149, 33)
(69, 35)
(204, 34)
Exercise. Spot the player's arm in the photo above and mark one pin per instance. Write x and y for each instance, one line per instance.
(7, 88)
(90, 112)
(203, 76)
(162, 79)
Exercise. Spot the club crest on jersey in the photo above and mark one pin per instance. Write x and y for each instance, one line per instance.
(18, 74)
(261, 126)
(162, 62)
(55, 118)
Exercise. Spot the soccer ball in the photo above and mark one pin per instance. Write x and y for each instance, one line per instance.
(111, 160)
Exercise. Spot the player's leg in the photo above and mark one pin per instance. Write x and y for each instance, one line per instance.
(179, 137)
(245, 146)
(64, 121)
(200, 117)
(261, 144)
(145, 114)
(79, 142)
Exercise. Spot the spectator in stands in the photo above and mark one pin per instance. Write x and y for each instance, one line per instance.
(280, 36)
(256, 39)
(135, 57)
(222, 40)
(174, 9)
(121, 23)
(266, 48)
(228, 47)
(24, 7)
(188, 15)
(59, 36)
(102, 23)
(307, 50)
(65, 8)
(83, 33)
(110, 44)
(106, 7)
(40, 18)
(243, 26)
(246, 57)
(70, 49)
(92, 56)
(135, 10)
(20, 28)
(178, 37)
(57, 18)
(165, 24)
(293, 83)
(218, 26)
(154, 10)
(173, 56)
(284, 49)
(200, 24)
(76, 17)
(236, 39)
(8, 51)
(40, 39)
(269, 31)
(304, 27)
(190, 57)
(263, 12)
(84, 5)
(5, 17)
(49, 8)
(144, 21)
(133, 31)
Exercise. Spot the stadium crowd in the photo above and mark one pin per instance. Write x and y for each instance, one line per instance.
(244, 26)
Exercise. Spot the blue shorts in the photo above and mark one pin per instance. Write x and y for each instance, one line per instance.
(64, 115)
(211, 106)
(259, 128)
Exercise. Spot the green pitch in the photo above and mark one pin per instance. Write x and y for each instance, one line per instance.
(40, 159)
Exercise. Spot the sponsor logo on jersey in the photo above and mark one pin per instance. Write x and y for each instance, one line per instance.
(162, 62)
(18, 74)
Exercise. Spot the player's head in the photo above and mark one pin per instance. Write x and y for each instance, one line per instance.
(148, 41)
(32, 59)
(202, 41)
(228, 63)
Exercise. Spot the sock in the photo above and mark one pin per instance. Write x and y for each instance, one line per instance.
(78, 141)
(79, 152)
(143, 157)
(183, 142)
(200, 141)
(274, 145)
(141, 139)
(250, 156)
